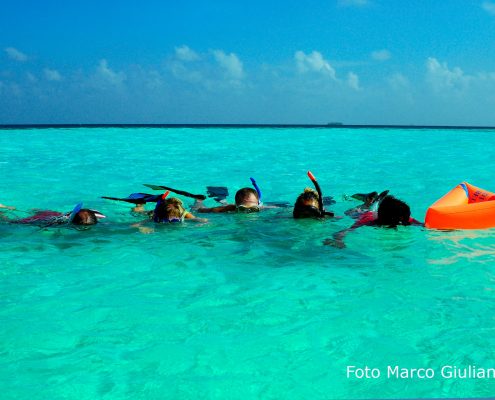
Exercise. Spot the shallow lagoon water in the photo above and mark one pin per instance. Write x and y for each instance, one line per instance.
(244, 306)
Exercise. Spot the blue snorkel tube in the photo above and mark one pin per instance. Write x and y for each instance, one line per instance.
(256, 187)
(73, 213)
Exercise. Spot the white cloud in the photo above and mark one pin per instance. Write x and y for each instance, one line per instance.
(353, 80)
(381, 55)
(31, 77)
(179, 68)
(230, 63)
(153, 80)
(212, 70)
(108, 75)
(355, 3)
(489, 7)
(441, 77)
(313, 62)
(184, 53)
(398, 81)
(180, 71)
(486, 76)
(52, 75)
(15, 54)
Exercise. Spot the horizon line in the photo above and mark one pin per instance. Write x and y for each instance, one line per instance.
(202, 125)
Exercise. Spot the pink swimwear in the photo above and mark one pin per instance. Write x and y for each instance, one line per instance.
(40, 217)
(369, 218)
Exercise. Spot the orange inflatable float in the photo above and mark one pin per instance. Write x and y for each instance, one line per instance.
(464, 207)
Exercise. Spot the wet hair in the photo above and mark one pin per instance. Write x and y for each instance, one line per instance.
(169, 209)
(85, 217)
(243, 194)
(303, 210)
(393, 212)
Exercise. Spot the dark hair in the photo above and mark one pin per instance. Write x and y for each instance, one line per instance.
(302, 210)
(168, 209)
(243, 194)
(393, 212)
(85, 217)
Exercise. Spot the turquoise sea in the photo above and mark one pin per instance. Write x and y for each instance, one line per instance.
(244, 306)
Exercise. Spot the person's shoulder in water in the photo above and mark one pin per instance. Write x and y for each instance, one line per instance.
(391, 212)
(246, 200)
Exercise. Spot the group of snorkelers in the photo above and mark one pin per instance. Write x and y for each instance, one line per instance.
(376, 209)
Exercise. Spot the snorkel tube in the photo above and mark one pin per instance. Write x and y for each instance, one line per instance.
(257, 188)
(158, 204)
(320, 195)
(73, 213)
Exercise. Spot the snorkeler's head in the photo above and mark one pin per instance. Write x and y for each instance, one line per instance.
(169, 210)
(246, 199)
(307, 205)
(393, 212)
(85, 217)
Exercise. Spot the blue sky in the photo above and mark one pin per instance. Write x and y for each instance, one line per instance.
(354, 61)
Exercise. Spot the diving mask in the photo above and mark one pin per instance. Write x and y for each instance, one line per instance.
(248, 209)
